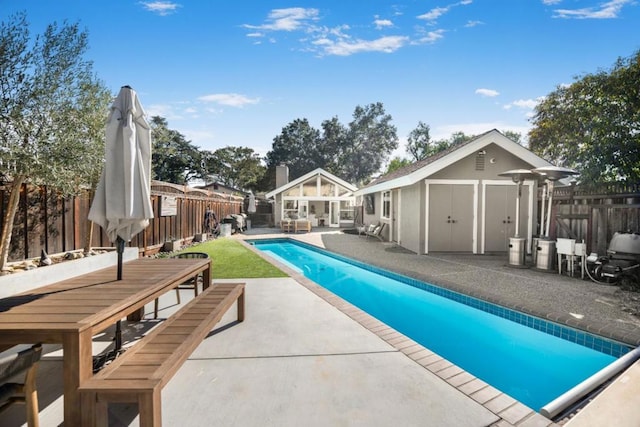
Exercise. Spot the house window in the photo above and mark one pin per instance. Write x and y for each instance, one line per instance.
(386, 205)
(327, 189)
(369, 204)
(293, 192)
(290, 209)
(310, 188)
(347, 212)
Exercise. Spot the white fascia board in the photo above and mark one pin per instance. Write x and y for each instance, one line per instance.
(399, 182)
(315, 172)
(492, 137)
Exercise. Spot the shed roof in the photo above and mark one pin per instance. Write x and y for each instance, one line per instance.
(422, 169)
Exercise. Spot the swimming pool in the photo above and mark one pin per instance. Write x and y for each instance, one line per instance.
(530, 359)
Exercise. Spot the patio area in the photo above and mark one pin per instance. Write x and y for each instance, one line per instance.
(304, 356)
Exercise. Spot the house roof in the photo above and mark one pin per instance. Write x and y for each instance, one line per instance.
(303, 178)
(422, 169)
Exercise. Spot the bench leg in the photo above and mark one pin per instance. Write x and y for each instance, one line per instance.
(88, 413)
(240, 303)
(150, 408)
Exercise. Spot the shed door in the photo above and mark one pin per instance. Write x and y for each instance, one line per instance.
(500, 216)
(450, 217)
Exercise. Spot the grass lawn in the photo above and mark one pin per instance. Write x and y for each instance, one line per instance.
(231, 260)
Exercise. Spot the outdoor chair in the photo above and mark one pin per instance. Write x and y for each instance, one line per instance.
(189, 284)
(375, 231)
(26, 362)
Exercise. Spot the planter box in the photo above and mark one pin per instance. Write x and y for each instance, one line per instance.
(23, 281)
(173, 246)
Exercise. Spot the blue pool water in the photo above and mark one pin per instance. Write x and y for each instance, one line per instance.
(532, 366)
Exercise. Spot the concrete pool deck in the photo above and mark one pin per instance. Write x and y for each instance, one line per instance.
(305, 357)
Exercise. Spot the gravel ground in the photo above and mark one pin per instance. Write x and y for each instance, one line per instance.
(603, 309)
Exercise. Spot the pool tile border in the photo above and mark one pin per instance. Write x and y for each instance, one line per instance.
(586, 339)
(510, 411)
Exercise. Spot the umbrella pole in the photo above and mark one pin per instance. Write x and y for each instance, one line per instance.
(120, 250)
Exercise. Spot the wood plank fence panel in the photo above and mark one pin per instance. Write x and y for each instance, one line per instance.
(46, 221)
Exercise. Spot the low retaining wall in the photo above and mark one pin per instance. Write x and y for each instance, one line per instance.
(23, 281)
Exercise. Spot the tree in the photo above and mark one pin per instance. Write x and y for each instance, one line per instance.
(513, 135)
(593, 125)
(297, 147)
(237, 167)
(397, 163)
(173, 158)
(332, 141)
(42, 85)
(94, 108)
(419, 144)
(353, 152)
(370, 140)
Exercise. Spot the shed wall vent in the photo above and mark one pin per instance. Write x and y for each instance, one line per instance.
(480, 160)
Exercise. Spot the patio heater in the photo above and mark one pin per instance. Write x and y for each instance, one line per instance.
(546, 247)
(517, 251)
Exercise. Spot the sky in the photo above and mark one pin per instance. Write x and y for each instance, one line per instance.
(235, 73)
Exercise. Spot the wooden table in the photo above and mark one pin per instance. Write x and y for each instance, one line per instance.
(72, 311)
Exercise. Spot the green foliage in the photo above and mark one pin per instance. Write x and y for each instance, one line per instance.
(174, 159)
(52, 111)
(51, 106)
(397, 163)
(297, 146)
(353, 152)
(237, 167)
(232, 260)
(419, 142)
(593, 125)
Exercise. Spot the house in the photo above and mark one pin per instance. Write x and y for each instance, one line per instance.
(455, 201)
(221, 188)
(321, 197)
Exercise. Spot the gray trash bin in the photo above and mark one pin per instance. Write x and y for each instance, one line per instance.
(546, 254)
(225, 230)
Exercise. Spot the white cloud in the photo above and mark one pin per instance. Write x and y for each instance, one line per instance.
(163, 110)
(162, 8)
(471, 24)
(608, 10)
(432, 16)
(229, 99)
(431, 37)
(487, 92)
(551, 2)
(346, 47)
(434, 13)
(527, 104)
(290, 19)
(382, 23)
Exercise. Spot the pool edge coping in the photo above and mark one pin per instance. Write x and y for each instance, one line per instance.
(505, 407)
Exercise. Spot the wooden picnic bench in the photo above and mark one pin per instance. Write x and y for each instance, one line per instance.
(143, 370)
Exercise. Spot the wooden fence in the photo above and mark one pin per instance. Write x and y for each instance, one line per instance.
(55, 224)
(46, 221)
(594, 215)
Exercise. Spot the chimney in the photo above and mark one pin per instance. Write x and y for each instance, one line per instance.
(282, 175)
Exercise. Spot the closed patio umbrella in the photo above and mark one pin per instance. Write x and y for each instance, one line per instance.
(122, 203)
(252, 203)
